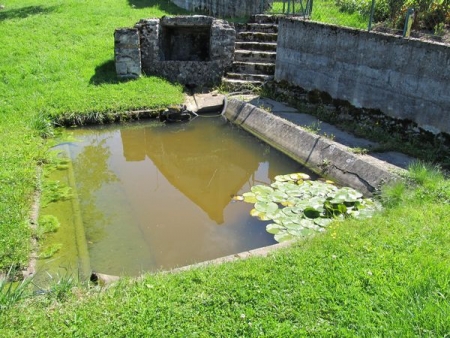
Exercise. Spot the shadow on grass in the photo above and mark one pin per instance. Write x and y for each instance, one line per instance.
(24, 12)
(165, 6)
(105, 73)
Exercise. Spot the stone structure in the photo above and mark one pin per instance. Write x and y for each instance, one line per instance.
(225, 9)
(193, 50)
(405, 79)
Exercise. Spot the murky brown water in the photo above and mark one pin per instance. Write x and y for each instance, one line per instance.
(155, 196)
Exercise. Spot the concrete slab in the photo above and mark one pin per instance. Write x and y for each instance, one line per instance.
(205, 103)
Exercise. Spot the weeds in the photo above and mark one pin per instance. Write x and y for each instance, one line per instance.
(12, 292)
(314, 127)
(61, 287)
(359, 151)
(47, 224)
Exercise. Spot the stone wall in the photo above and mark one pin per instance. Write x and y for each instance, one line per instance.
(225, 8)
(405, 79)
(185, 49)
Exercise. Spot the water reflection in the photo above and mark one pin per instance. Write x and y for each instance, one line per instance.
(206, 168)
(152, 195)
(92, 172)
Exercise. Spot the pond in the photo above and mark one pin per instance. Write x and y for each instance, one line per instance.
(151, 196)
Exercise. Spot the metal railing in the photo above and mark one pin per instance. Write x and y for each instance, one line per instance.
(291, 7)
(415, 18)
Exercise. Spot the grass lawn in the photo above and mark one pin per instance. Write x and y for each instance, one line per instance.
(385, 276)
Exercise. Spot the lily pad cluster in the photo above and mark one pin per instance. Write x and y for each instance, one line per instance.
(299, 206)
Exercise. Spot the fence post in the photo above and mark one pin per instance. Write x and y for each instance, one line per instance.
(310, 8)
(372, 9)
(408, 22)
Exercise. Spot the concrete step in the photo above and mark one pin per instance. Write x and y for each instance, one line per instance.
(249, 77)
(238, 85)
(256, 27)
(256, 37)
(254, 56)
(256, 46)
(253, 68)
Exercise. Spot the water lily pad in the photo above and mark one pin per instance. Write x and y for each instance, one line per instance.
(283, 178)
(299, 206)
(300, 176)
(266, 207)
(279, 196)
(283, 236)
(259, 214)
(274, 228)
(311, 212)
(323, 222)
(308, 224)
(249, 197)
(346, 195)
(262, 189)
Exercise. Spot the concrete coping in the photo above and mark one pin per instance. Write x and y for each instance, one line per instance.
(320, 154)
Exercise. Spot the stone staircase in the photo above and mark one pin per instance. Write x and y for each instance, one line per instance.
(255, 54)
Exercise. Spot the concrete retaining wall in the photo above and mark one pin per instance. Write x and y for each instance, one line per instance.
(405, 79)
(222, 8)
(325, 157)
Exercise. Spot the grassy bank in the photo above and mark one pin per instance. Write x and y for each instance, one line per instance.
(57, 58)
(387, 276)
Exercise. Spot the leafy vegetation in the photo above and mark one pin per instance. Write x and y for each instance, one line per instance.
(300, 207)
(429, 15)
(12, 292)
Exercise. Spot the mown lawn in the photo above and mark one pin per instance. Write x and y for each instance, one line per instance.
(386, 276)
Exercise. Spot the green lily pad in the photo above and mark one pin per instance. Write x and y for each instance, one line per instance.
(266, 207)
(249, 197)
(299, 206)
(300, 176)
(323, 222)
(311, 212)
(262, 189)
(283, 236)
(274, 228)
(259, 214)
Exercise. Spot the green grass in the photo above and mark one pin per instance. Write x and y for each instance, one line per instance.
(57, 58)
(327, 11)
(388, 276)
